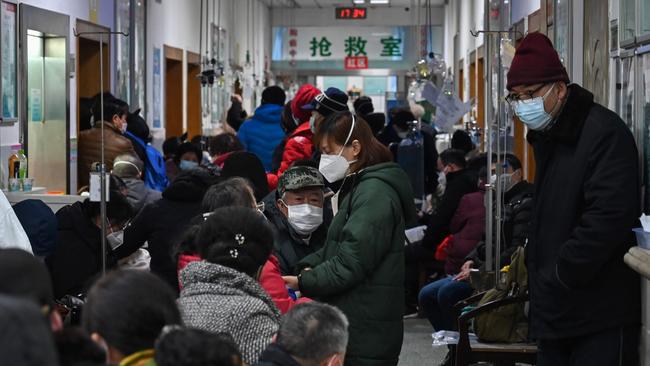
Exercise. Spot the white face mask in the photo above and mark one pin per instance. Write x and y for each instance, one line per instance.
(305, 218)
(403, 134)
(505, 181)
(335, 167)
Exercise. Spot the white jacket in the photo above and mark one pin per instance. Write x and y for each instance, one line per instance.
(12, 234)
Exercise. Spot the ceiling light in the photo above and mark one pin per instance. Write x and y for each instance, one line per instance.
(379, 1)
(359, 2)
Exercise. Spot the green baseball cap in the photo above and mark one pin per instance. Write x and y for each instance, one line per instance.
(299, 177)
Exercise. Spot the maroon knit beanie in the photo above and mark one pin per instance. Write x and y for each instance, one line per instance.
(536, 62)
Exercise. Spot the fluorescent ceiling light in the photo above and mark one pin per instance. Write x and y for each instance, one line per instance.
(359, 2)
(379, 1)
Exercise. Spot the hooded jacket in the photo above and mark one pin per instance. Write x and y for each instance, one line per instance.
(263, 133)
(299, 146)
(77, 258)
(162, 223)
(140, 195)
(361, 267)
(586, 203)
(90, 145)
(220, 299)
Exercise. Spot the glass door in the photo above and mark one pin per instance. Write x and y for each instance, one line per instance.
(45, 91)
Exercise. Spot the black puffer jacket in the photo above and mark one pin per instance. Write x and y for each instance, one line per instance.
(459, 184)
(587, 201)
(77, 258)
(162, 223)
(518, 206)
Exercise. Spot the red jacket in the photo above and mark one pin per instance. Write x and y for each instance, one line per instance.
(299, 146)
(270, 279)
(272, 282)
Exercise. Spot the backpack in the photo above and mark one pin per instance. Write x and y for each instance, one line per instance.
(155, 175)
(507, 323)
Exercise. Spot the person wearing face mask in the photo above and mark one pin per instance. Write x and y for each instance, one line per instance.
(458, 181)
(584, 300)
(77, 258)
(114, 121)
(516, 216)
(188, 156)
(297, 211)
(130, 169)
(299, 144)
(362, 262)
(325, 104)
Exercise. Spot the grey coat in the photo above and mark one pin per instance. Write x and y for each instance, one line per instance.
(222, 300)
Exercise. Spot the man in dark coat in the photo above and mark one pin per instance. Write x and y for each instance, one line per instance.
(77, 259)
(584, 300)
(309, 334)
(299, 215)
(163, 223)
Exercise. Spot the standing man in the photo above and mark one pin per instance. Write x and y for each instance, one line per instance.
(262, 133)
(584, 301)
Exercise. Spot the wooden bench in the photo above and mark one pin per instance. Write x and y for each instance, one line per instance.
(501, 354)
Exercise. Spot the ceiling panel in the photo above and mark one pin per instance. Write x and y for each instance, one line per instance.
(333, 3)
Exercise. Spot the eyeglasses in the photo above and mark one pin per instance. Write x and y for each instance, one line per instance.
(512, 98)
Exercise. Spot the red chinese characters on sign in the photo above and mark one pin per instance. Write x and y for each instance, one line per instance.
(356, 62)
(293, 45)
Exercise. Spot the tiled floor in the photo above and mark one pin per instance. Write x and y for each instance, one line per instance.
(417, 349)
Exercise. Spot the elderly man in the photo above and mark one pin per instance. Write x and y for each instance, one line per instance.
(310, 334)
(130, 169)
(584, 300)
(299, 215)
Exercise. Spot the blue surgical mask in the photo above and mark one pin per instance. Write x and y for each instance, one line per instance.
(187, 165)
(532, 113)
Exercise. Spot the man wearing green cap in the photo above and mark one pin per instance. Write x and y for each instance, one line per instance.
(298, 216)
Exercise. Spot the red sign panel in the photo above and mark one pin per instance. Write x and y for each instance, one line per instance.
(356, 62)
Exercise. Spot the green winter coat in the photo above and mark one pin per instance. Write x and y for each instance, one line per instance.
(361, 267)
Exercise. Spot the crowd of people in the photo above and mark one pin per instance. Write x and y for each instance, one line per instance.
(284, 243)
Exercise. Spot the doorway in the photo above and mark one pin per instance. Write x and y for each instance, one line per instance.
(88, 69)
(45, 96)
(173, 91)
(194, 122)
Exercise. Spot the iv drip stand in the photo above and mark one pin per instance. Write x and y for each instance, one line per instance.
(102, 169)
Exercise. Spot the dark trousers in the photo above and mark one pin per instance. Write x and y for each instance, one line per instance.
(612, 347)
(417, 258)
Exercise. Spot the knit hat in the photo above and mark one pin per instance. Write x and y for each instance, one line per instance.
(401, 118)
(304, 96)
(331, 101)
(24, 276)
(363, 106)
(536, 62)
(273, 95)
(299, 177)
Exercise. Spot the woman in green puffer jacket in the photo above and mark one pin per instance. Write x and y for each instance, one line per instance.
(361, 267)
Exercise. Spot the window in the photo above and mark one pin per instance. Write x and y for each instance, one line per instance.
(130, 52)
(8, 70)
(627, 16)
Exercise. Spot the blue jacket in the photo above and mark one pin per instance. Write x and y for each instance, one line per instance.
(262, 133)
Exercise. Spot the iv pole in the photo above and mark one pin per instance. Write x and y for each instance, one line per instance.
(102, 169)
(493, 247)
